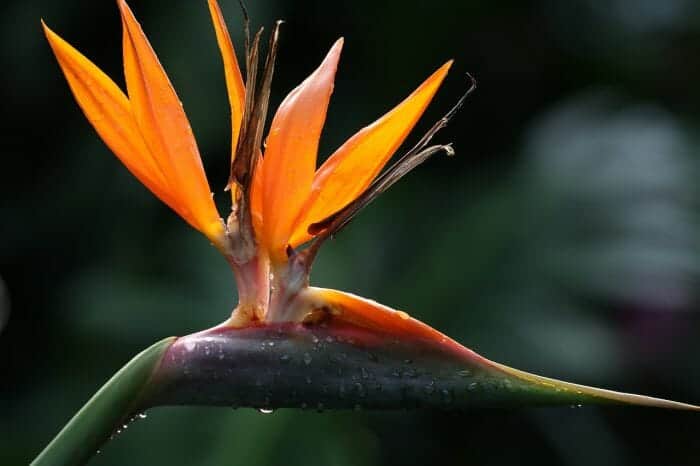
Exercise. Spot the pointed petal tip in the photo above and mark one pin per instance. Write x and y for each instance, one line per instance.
(124, 8)
(48, 32)
(333, 56)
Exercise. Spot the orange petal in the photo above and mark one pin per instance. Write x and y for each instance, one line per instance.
(290, 158)
(351, 169)
(164, 126)
(256, 202)
(109, 112)
(234, 79)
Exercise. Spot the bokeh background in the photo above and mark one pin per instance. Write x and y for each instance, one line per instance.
(562, 239)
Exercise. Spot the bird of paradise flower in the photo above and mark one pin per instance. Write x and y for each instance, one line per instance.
(284, 332)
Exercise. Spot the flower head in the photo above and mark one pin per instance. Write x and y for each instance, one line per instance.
(280, 199)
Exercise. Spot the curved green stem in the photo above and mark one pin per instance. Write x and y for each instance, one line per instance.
(111, 406)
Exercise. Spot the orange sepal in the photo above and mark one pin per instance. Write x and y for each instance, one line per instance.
(109, 112)
(234, 79)
(370, 314)
(256, 198)
(290, 157)
(351, 169)
(165, 128)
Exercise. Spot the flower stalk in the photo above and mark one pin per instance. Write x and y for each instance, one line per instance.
(286, 344)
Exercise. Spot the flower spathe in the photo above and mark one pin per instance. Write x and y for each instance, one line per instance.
(148, 130)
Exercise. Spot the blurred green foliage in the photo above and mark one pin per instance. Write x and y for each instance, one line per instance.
(562, 239)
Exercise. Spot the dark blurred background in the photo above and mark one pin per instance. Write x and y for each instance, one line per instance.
(562, 239)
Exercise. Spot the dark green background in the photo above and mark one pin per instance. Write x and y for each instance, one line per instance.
(562, 239)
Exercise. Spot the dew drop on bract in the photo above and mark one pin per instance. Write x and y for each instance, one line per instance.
(266, 410)
(307, 358)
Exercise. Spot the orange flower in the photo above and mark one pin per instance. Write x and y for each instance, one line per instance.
(278, 196)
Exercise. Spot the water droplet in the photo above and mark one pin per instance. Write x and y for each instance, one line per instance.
(446, 395)
(307, 358)
(285, 358)
(266, 410)
(329, 339)
(472, 386)
(361, 392)
(410, 373)
(464, 373)
(365, 374)
(408, 361)
(141, 416)
(270, 343)
(314, 339)
(430, 388)
(221, 356)
(403, 315)
(190, 345)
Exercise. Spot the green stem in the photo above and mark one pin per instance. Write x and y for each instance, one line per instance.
(111, 406)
